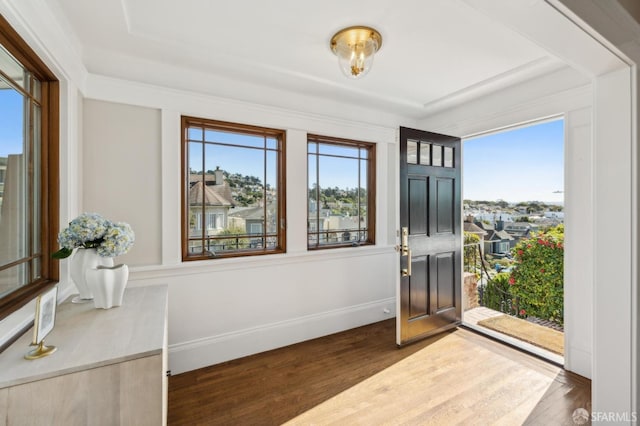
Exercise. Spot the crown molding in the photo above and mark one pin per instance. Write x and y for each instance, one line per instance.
(528, 71)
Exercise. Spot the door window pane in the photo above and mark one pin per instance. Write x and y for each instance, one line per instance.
(436, 157)
(448, 156)
(412, 152)
(425, 154)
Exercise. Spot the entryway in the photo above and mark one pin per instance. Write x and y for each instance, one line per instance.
(513, 210)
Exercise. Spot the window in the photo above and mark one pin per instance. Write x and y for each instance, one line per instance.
(28, 172)
(429, 154)
(341, 192)
(233, 190)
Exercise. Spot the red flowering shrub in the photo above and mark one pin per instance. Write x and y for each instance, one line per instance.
(537, 279)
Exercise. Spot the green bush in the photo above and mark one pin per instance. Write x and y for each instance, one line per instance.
(234, 243)
(537, 279)
(472, 256)
(497, 295)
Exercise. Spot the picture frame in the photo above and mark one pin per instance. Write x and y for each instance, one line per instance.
(45, 315)
(43, 323)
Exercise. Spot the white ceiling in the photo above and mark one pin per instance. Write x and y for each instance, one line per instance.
(435, 53)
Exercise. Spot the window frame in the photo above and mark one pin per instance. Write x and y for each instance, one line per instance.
(224, 126)
(49, 170)
(371, 190)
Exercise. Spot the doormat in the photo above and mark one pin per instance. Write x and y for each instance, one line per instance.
(538, 335)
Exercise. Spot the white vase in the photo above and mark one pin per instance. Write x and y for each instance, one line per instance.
(107, 284)
(82, 260)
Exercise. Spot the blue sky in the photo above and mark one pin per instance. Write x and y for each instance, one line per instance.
(10, 122)
(523, 164)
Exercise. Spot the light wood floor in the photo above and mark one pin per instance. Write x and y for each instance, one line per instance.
(359, 377)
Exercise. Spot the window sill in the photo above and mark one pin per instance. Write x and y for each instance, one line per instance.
(242, 263)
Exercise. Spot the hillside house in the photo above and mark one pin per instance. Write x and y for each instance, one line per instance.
(209, 202)
(518, 231)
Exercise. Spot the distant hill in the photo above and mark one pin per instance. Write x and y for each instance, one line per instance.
(529, 205)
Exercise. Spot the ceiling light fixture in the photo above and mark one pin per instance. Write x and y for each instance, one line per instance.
(355, 48)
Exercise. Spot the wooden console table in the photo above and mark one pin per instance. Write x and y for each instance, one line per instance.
(109, 368)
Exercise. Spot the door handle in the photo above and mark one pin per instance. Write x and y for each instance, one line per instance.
(407, 271)
(404, 245)
(406, 251)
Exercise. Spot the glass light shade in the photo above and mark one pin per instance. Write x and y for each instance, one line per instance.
(356, 59)
(355, 48)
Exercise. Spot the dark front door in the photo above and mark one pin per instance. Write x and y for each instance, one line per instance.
(431, 236)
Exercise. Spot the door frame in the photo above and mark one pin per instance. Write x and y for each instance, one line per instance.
(573, 231)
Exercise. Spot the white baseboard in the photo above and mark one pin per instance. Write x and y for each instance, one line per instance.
(187, 356)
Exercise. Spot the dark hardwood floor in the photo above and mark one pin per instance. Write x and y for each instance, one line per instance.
(361, 377)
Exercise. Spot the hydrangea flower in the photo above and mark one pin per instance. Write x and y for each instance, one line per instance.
(90, 230)
(85, 231)
(117, 240)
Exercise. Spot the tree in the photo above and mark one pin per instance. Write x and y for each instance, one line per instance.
(234, 243)
(534, 207)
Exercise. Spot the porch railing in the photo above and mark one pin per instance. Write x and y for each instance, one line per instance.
(492, 291)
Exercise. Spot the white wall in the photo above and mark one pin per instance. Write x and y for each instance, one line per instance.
(221, 312)
(226, 308)
(122, 173)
